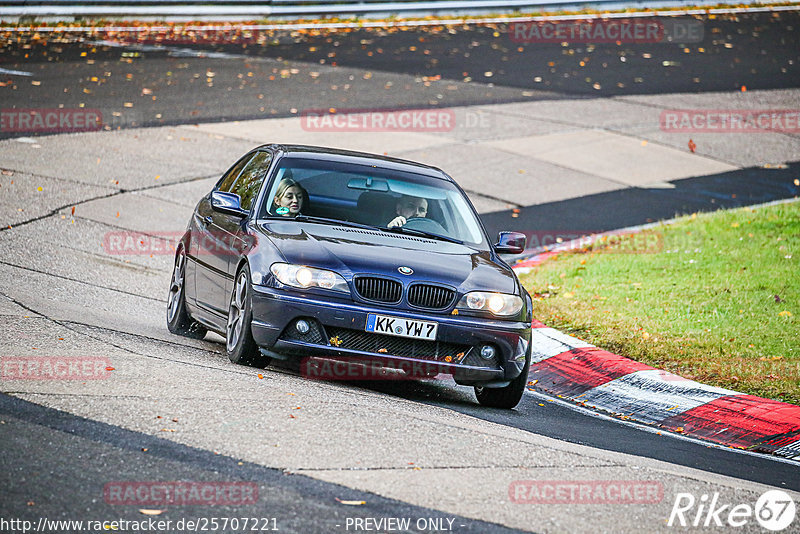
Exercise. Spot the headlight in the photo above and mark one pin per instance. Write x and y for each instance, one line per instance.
(496, 303)
(305, 277)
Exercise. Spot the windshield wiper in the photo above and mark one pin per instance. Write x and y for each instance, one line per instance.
(421, 233)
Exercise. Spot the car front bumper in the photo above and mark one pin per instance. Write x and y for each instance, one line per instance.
(341, 333)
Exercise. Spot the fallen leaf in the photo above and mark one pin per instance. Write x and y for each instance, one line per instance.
(351, 503)
(110, 369)
(147, 511)
(692, 146)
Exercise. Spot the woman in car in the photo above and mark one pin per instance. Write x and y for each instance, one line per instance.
(290, 198)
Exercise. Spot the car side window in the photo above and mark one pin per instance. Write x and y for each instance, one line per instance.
(251, 178)
(230, 177)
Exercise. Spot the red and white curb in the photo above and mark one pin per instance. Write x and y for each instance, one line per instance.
(572, 369)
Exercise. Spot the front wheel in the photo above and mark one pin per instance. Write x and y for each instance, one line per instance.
(178, 319)
(506, 397)
(239, 342)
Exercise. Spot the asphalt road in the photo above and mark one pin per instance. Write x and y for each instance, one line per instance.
(45, 448)
(134, 86)
(177, 82)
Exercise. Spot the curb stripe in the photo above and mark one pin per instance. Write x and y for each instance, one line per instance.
(580, 370)
(741, 421)
(549, 342)
(651, 395)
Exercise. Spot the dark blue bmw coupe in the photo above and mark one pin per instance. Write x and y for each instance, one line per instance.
(307, 251)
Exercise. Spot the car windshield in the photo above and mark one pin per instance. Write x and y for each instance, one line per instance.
(387, 199)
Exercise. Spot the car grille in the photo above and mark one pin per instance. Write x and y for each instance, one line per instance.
(428, 296)
(397, 346)
(378, 289)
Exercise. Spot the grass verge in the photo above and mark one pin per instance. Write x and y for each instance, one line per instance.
(714, 297)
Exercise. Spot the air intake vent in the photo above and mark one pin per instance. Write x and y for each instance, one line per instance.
(432, 297)
(385, 234)
(379, 289)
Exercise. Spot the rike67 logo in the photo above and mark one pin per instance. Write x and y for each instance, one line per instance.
(774, 511)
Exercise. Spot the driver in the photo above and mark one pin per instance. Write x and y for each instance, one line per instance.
(290, 198)
(408, 207)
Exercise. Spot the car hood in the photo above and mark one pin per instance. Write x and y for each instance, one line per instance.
(351, 251)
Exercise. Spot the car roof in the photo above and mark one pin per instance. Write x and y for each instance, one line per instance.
(358, 158)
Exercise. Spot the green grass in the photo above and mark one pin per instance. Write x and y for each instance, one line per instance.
(714, 297)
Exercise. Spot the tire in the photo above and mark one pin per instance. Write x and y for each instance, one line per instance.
(506, 397)
(239, 342)
(178, 319)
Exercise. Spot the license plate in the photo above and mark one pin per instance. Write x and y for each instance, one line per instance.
(397, 326)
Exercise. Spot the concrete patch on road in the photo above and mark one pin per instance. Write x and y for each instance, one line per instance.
(125, 159)
(292, 131)
(621, 159)
(490, 169)
(136, 212)
(24, 197)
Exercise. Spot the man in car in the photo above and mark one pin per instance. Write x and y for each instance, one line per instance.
(408, 207)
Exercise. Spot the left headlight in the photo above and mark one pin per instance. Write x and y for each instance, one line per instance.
(496, 303)
(304, 277)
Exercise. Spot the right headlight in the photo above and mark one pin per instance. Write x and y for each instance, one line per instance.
(303, 277)
(501, 304)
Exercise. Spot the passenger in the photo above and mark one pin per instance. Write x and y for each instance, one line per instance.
(290, 198)
(409, 207)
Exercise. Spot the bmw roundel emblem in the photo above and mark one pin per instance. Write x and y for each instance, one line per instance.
(405, 270)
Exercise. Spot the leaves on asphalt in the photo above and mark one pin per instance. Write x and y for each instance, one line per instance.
(351, 503)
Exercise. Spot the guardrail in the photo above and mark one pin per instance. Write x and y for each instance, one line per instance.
(252, 9)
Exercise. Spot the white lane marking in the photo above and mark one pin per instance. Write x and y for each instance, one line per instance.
(651, 395)
(653, 430)
(173, 51)
(15, 72)
(549, 342)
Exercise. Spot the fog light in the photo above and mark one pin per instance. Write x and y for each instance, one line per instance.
(488, 352)
(302, 326)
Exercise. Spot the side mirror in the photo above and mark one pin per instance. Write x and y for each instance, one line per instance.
(227, 203)
(510, 243)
